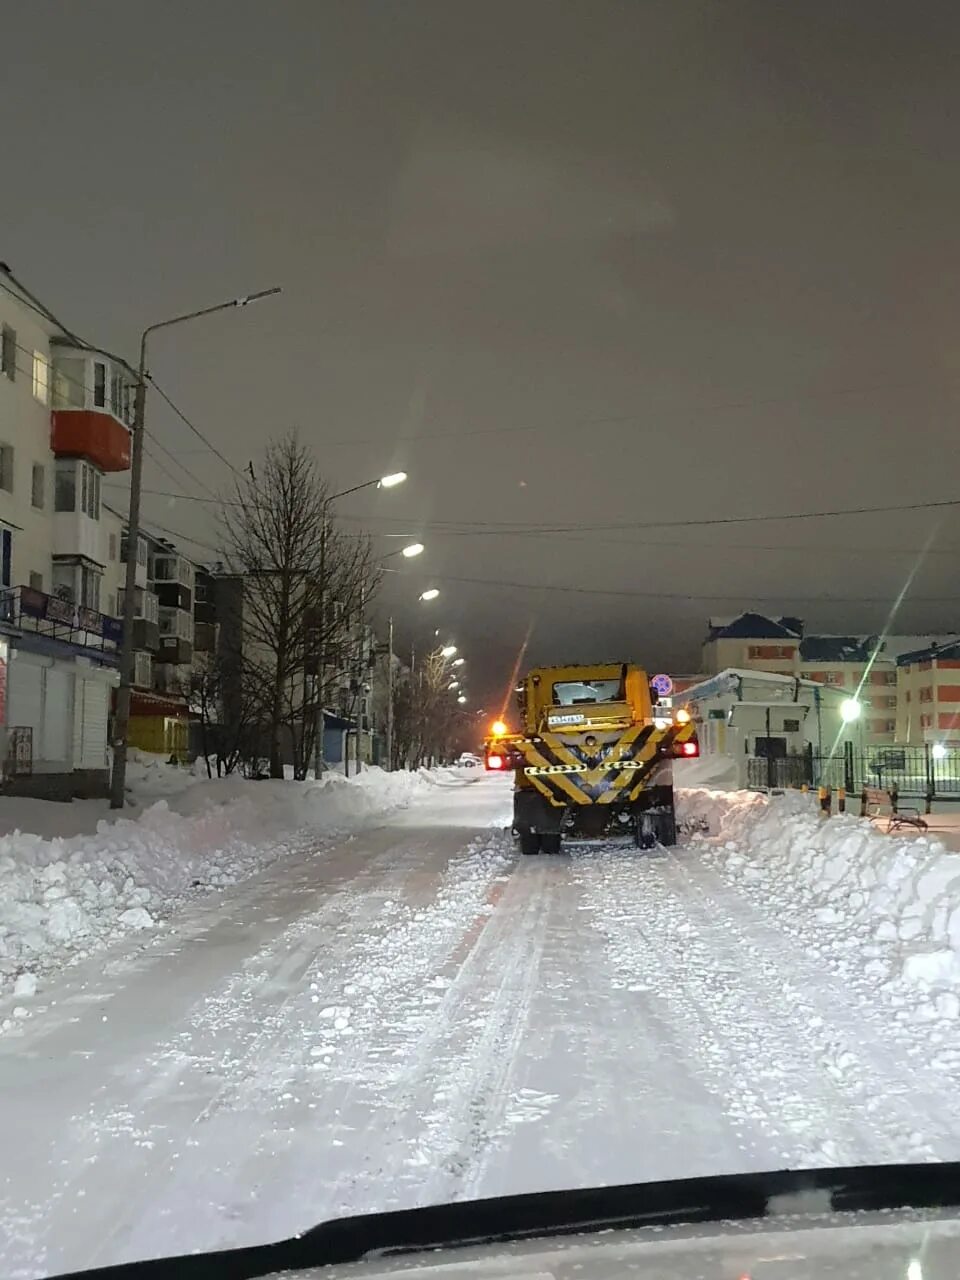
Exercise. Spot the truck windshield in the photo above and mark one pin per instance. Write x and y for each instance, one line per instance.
(569, 693)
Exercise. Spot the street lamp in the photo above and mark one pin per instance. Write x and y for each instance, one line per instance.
(454, 684)
(850, 710)
(121, 728)
(414, 549)
(381, 482)
(461, 699)
(448, 650)
(430, 594)
(458, 662)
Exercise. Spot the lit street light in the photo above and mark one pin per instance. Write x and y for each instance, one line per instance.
(118, 780)
(430, 594)
(381, 482)
(461, 699)
(448, 650)
(849, 710)
(458, 662)
(414, 549)
(938, 751)
(454, 684)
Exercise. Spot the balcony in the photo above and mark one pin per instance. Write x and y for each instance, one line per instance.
(28, 610)
(176, 635)
(143, 670)
(146, 622)
(92, 402)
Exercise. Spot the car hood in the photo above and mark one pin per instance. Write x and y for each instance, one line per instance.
(876, 1221)
(899, 1246)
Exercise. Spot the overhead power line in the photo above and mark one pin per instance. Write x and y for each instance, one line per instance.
(741, 598)
(505, 527)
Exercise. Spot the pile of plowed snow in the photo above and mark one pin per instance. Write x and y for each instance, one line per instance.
(62, 897)
(883, 909)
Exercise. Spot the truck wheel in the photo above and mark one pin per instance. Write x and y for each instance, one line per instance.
(645, 831)
(550, 842)
(530, 842)
(667, 828)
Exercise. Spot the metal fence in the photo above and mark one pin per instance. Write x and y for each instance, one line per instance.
(914, 771)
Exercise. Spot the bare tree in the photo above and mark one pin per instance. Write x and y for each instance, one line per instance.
(427, 721)
(302, 580)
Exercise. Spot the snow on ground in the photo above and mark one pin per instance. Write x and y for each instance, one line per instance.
(64, 896)
(422, 1015)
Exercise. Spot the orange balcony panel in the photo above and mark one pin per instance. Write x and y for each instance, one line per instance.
(83, 433)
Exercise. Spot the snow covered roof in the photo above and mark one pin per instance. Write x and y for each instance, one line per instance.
(754, 626)
(734, 678)
(932, 651)
(838, 648)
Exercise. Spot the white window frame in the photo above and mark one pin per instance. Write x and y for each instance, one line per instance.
(41, 377)
(38, 474)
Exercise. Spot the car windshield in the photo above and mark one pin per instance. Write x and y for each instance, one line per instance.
(479, 610)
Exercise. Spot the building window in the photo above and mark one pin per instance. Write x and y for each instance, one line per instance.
(99, 384)
(89, 588)
(891, 677)
(38, 485)
(8, 352)
(41, 377)
(36, 581)
(112, 544)
(69, 390)
(6, 467)
(791, 726)
(65, 486)
(833, 677)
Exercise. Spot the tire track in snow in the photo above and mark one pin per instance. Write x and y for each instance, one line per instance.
(857, 1051)
(743, 1041)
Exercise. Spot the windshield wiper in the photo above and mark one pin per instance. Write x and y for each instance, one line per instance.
(863, 1188)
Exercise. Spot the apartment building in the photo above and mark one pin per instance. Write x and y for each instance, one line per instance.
(64, 426)
(868, 668)
(929, 703)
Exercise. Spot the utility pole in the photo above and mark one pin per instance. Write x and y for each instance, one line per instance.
(390, 694)
(121, 723)
(121, 728)
(319, 763)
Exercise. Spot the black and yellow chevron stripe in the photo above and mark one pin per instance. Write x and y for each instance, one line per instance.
(615, 770)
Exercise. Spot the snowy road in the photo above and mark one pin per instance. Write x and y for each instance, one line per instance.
(414, 1015)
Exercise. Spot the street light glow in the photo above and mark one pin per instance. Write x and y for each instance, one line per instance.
(458, 662)
(448, 650)
(430, 594)
(414, 549)
(849, 710)
(388, 482)
(454, 684)
(461, 699)
(939, 751)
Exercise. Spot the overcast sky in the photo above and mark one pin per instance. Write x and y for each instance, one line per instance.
(568, 264)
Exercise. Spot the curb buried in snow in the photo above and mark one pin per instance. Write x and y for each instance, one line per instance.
(886, 908)
(63, 898)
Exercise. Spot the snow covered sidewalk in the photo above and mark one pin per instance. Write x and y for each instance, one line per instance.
(62, 897)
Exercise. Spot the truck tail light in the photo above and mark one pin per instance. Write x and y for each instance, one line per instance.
(494, 762)
(690, 749)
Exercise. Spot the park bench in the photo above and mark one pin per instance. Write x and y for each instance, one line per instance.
(872, 802)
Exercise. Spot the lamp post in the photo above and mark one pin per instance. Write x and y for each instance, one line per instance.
(382, 482)
(121, 728)
(408, 552)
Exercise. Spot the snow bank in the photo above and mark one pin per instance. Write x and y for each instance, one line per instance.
(63, 897)
(886, 909)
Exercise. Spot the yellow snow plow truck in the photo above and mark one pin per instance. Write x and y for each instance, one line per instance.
(594, 757)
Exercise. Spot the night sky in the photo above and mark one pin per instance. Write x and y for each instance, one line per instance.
(579, 267)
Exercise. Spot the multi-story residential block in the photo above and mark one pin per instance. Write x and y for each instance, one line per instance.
(64, 416)
(929, 702)
(869, 668)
